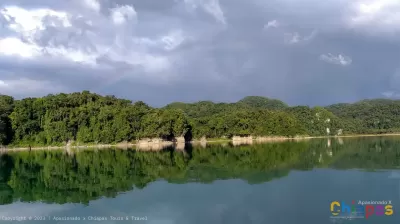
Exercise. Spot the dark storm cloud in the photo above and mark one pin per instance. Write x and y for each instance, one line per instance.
(303, 52)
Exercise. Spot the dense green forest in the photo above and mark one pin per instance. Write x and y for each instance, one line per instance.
(86, 117)
(58, 177)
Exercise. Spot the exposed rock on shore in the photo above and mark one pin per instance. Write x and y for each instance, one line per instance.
(124, 145)
(180, 139)
(237, 140)
(152, 144)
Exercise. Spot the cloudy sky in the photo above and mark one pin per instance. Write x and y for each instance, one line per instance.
(300, 51)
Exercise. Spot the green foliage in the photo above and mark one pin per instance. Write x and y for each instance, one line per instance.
(164, 124)
(90, 118)
(317, 120)
(370, 116)
(246, 122)
(263, 103)
(6, 107)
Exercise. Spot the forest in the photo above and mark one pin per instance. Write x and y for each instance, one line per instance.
(58, 177)
(86, 117)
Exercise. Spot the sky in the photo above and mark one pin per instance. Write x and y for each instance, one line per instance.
(307, 52)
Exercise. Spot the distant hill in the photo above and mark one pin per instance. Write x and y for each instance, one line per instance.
(201, 108)
(262, 103)
(372, 114)
(205, 108)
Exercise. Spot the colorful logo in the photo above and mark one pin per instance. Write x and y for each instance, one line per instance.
(363, 209)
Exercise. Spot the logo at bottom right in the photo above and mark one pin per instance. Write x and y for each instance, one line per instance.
(363, 209)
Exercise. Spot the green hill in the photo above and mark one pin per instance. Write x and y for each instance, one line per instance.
(262, 103)
(87, 117)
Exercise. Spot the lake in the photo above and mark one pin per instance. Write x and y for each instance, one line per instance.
(278, 183)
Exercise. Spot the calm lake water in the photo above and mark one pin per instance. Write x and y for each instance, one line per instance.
(278, 183)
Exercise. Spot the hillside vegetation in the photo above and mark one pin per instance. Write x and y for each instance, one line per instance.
(91, 118)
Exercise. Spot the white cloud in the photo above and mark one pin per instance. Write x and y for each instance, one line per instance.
(30, 25)
(173, 39)
(312, 35)
(13, 46)
(169, 41)
(71, 41)
(271, 24)
(93, 5)
(213, 7)
(376, 15)
(151, 63)
(74, 55)
(83, 44)
(122, 14)
(210, 6)
(338, 60)
(292, 38)
(24, 21)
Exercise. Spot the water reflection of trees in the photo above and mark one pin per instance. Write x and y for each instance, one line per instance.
(57, 177)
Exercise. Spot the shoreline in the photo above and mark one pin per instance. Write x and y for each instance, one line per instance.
(129, 145)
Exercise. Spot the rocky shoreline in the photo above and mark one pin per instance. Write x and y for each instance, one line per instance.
(156, 144)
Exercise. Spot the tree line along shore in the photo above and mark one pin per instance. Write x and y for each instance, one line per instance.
(86, 118)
